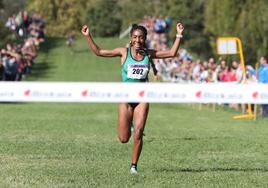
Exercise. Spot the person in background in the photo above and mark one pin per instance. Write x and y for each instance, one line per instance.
(263, 78)
(70, 41)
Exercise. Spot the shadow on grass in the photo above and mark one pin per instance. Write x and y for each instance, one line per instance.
(11, 103)
(152, 139)
(78, 51)
(200, 138)
(192, 170)
(42, 68)
(50, 43)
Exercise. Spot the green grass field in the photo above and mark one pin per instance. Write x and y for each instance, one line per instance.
(76, 145)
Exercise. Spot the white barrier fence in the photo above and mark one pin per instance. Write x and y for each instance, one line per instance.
(133, 92)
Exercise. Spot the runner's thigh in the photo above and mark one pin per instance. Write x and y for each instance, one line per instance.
(125, 114)
(140, 115)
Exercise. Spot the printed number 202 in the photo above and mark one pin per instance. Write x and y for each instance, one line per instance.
(137, 71)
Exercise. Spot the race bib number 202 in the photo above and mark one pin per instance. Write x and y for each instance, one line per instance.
(136, 71)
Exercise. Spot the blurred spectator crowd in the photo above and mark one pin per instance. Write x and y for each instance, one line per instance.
(183, 68)
(16, 60)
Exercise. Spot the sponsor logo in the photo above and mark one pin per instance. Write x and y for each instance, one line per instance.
(98, 94)
(226, 96)
(198, 94)
(255, 95)
(264, 96)
(51, 94)
(213, 95)
(27, 93)
(120, 95)
(6, 94)
(84, 93)
(142, 93)
(165, 95)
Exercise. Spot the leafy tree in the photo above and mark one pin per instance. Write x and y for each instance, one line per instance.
(130, 13)
(246, 19)
(1, 22)
(252, 28)
(11, 8)
(61, 16)
(191, 13)
(134, 11)
(104, 18)
(205, 20)
(220, 19)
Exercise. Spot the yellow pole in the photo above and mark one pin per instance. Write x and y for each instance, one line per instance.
(243, 68)
(241, 58)
(240, 53)
(250, 115)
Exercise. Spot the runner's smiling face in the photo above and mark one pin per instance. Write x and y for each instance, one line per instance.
(137, 39)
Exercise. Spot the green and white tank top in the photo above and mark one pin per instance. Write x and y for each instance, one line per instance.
(133, 70)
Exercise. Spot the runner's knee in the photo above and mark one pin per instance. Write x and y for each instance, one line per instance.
(138, 133)
(123, 139)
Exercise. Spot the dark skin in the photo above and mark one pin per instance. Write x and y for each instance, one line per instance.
(127, 112)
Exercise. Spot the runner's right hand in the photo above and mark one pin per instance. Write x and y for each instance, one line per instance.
(85, 30)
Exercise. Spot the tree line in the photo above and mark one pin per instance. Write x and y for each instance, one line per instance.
(205, 20)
